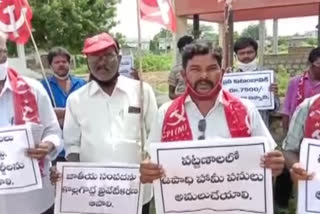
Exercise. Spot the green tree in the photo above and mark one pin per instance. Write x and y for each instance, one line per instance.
(154, 43)
(68, 22)
(312, 42)
(251, 31)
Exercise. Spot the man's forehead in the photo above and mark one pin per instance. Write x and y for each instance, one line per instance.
(247, 48)
(104, 51)
(203, 59)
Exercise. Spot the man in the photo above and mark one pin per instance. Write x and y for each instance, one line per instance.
(175, 80)
(246, 50)
(104, 114)
(302, 86)
(61, 83)
(207, 111)
(304, 124)
(23, 100)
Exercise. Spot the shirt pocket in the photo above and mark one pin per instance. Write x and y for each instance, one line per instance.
(132, 126)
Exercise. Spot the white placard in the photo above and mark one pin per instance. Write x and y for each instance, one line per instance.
(213, 176)
(309, 191)
(98, 188)
(18, 173)
(126, 65)
(253, 86)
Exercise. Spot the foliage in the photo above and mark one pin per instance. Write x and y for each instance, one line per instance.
(154, 62)
(154, 43)
(68, 22)
(283, 78)
(251, 31)
(312, 42)
(82, 69)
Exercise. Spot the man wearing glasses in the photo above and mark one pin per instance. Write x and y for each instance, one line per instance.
(205, 111)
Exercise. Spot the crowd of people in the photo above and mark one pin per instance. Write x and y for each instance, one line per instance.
(82, 120)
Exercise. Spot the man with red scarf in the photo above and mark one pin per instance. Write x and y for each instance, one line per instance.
(302, 86)
(205, 111)
(24, 100)
(305, 123)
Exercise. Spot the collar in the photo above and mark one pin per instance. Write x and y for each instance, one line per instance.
(122, 84)
(54, 80)
(6, 86)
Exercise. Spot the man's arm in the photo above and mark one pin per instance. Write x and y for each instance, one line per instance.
(51, 131)
(72, 131)
(287, 105)
(172, 81)
(291, 157)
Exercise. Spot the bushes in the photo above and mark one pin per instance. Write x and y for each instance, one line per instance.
(152, 62)
(283, 78)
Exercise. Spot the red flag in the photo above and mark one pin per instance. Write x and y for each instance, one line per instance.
(159, 11)
(14, 16)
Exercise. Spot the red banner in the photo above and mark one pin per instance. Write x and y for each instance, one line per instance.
(14, 16)
(159, 11)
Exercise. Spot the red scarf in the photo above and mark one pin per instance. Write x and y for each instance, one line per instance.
(312, 124)
(25, 104)
(176, 125)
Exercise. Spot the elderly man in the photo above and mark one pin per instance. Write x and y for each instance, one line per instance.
(16, 108)
(102, 118)
(208, 111)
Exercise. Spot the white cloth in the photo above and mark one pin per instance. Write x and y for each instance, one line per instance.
(251, 66)
(216, 123)
(3, 70)
(101, 128)
(38, 201)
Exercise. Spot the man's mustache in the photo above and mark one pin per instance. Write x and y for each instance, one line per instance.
(202, 82)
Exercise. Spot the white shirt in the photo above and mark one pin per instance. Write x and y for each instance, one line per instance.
(38, 201)
(216, 123)
(103, 128)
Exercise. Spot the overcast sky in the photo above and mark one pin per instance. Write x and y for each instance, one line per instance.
(127, 12)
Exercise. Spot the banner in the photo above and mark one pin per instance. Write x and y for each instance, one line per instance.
(15, 16)
(213, 176)
(253, 86)
(159, 11)
(126, 65)
(18, 173)
(309, 191)
(98, 188)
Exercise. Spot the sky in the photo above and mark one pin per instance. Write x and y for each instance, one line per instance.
(127, 18)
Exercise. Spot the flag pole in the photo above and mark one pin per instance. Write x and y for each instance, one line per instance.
(39, 57)
(142, 130)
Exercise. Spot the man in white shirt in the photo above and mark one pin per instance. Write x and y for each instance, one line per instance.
(205, 112)
(23, 100)
(102, 118)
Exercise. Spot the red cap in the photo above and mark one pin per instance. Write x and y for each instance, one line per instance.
(97, 43)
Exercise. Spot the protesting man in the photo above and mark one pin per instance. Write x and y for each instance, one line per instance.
(205, 111)
(246, 50)
(23, 100)
(175, 80)
(102, 118)
(302, 86)
(304, 124)
(61, 83)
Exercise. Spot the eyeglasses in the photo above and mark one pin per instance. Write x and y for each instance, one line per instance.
(202, 126)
